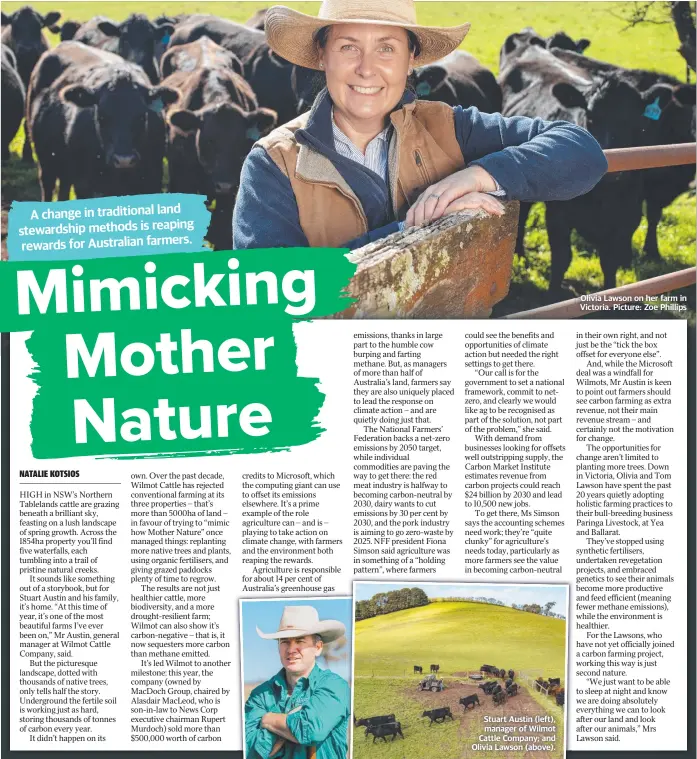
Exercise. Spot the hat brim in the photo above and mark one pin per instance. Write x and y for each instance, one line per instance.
(291, 35)
(328, 629)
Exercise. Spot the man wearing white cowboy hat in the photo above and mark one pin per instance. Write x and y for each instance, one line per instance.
(302, 712)
(370, 158)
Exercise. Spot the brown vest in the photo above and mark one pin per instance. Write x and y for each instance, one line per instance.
(423, 150)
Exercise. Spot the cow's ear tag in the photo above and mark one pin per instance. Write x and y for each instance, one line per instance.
(157, 105)
(423, 89)
(166, 39)
(253, 133)
(653, 111)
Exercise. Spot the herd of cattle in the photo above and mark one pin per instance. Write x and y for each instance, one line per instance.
(387, 725)
(112, 100)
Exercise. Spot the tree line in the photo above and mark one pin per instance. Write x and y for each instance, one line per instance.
(392, 600)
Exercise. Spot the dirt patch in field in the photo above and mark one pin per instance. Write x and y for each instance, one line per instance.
(518, 713)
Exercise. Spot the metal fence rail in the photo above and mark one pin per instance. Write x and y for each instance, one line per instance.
(656, 157)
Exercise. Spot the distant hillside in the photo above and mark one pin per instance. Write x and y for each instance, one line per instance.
(459, 636)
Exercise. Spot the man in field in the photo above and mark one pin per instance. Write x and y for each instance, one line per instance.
(302, 712)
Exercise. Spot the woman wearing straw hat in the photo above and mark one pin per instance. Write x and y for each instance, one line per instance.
(302, 712)
(369, 159)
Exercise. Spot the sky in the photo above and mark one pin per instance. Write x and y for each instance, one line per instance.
(260, 657)
(509, 594)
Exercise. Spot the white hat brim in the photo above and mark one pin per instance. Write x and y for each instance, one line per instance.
(291, 35)
(328, 629)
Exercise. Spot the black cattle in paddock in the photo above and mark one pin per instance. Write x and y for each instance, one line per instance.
(201, 53)
(536, 83)
(369, 722)
(257, 21)
(675, 121)
(468, 701)
(500, 697)
(418, 670)
(133, 39)
(554, 680)
(212, 128)
(488, 668)
(438, 715)
(277, 83)
(559, 697)
(502, 674)
(528, 36)
(435, 667)
(96, 123)
(541, 684)
(489, 686)
(382, 731)
(459, 79)
(509, 682)
(12, 94)
(22, 33)
(512, 689)
(511, 674)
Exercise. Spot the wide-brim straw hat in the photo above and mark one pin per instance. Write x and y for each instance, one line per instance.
(291, 33)
(298, 621)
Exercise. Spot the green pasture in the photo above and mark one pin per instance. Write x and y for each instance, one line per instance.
(459, 636)
(651, 46)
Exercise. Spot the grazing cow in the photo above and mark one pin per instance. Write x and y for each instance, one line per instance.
(459, 79)
(257, 21)
(277, 83)
(12, 95)
(676, 124)
(373, 721)
(438, 715)
(96, 123)
(511, 674)
(201, 53)
(559, 698)
(468, 701)
(536, 83)
(211, 129)
(512, 689)
(22, 33)
(133, 39)
(435, 667)
(500, 697)
(382, 731)
(418, 670)
(488, 668)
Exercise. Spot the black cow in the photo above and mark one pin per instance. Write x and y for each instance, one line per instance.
(511, 674)
(509, 682)
(438, 715)
(96, 122)
(555, 680)
(373, 721)
(257, 21)
(211, 130)
(22, 32)
(496, 689)
(459, 79)
(201, 53)
(468, 701)
(161, 44)
(500, 697)
(133, 39)
(382, 731)
(521, 40)
(489, 686)
(675, 124)
(536, 83)
(559, 698)
(67, 30)
(435, 667)
(277, 83)
(502, 674)
(12, 94)
(512, 689)
(488, 668)
(418, 670)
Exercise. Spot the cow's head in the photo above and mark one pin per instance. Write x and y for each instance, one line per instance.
(564, 42)
(429, 79)
(613, 110)
(26, 35)
(224, 134)
(137, 37)
(122, 110)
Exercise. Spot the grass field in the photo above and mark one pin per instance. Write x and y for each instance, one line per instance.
(460, 637)
(651, 46)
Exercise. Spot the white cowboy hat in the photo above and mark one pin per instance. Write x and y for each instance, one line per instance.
(298, 621)
(291, 33)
